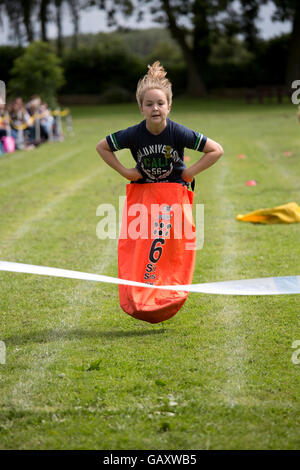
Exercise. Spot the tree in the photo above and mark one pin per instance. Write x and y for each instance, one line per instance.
(58, 17)
(20, 14)
(27, 8)
(37, 71)
(76, 6)
(44, 17)
(284, 10)
(290, 10)
(171, 13)
(247, 23)
(194, 24)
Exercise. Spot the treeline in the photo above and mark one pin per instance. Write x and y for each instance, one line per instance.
(110, 64)
(197, 27)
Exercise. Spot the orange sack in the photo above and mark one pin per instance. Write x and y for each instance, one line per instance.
(156, 246)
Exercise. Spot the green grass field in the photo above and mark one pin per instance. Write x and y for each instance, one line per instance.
(79, 372)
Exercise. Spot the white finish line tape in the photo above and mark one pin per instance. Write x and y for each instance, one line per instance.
(260, 286)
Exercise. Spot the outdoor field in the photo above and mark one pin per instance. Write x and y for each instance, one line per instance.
(82, 374)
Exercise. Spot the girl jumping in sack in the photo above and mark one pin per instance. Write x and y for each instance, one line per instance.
(157, 143)
(162, 252)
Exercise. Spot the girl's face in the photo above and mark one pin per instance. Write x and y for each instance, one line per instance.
(155, 108)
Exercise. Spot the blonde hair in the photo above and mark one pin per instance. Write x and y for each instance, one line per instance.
(154, 79)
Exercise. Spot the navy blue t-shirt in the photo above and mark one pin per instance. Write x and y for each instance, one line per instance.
(159, 158)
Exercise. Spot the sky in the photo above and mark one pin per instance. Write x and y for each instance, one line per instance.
(93, 21)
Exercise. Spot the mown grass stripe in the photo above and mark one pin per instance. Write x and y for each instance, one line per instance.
(32, 384)
(40, 169)
(26, 226)
(233, 349)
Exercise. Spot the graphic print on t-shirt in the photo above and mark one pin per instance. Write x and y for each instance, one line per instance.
(159, 158)
(157, 161)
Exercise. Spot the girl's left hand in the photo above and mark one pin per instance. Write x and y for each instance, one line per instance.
(186, 175)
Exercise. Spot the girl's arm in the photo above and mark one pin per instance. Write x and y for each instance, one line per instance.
(132, 174)
(212, 152)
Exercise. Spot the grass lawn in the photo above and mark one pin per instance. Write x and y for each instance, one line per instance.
(79, 372)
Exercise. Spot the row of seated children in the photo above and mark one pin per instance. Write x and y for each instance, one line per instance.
(26, 126)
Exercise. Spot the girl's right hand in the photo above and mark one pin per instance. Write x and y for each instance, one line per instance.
(132, 174)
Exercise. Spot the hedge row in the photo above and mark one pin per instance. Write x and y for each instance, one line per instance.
(114, 73)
